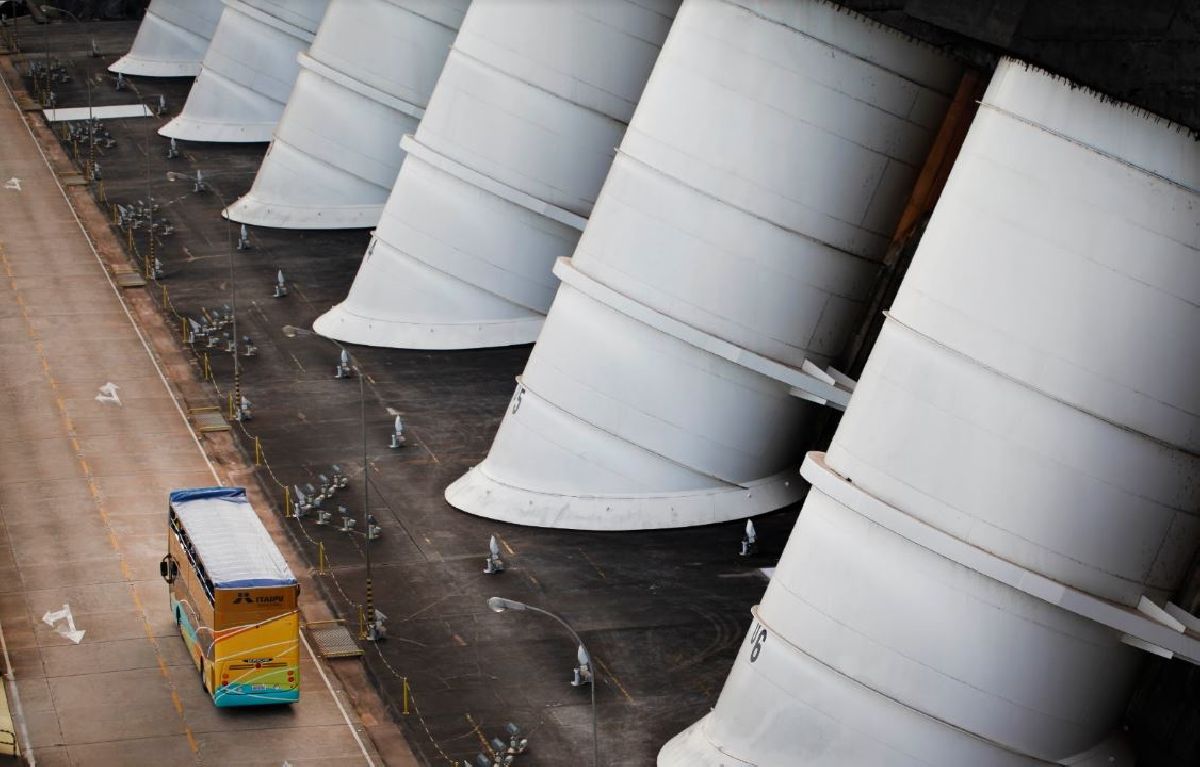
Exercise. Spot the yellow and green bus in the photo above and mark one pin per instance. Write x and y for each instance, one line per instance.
(234, 598)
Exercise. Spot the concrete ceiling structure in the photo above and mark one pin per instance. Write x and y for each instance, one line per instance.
(363, 85)
(502, 173)
(172, 39)
(1010, 499)
(248, 71)
(1146, 53)
(728, 260)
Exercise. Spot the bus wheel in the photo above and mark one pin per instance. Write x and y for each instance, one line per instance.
(178, 619)
(203, 686)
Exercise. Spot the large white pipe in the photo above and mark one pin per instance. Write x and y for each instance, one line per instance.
(363, 85)
(172, 39)
(502, 173)
(1011, 495)
(727, 261)
(248, 71)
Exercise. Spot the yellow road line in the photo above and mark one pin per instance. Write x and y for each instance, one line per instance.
(613, 677)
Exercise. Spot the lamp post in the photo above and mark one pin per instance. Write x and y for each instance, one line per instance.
(91, 163)
(500, 604)
(291, 331)
(46, 72)
(12, 38)
(198, 180)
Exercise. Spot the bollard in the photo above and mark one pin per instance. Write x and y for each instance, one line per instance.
(362, 625)
(207, 369)
(257, 452)
(404, 703)
(322, 562)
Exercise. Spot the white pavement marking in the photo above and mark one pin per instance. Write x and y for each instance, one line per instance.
(108, 393)
(13, 183)
(171, 392)
(67, 630)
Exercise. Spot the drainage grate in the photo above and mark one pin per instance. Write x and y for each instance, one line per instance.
(333, 639)
(208, 419)
(72, 179)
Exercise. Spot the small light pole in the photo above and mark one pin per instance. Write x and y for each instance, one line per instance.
(91, 163)
(198, 181)
(500, 604)
(46, 73)
(291, 331)
(13, 42)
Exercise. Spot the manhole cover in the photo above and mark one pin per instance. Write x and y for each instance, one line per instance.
(333, 640)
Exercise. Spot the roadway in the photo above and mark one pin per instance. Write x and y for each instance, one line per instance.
(83, 482)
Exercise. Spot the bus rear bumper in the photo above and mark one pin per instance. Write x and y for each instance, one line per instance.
(238, 695)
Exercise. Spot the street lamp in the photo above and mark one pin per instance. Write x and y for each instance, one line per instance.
(198, 180)
(46, 72)
(91, 164)
(500, 604)
(12, 38)
(291, 331)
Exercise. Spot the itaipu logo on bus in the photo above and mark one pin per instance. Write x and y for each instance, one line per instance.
(245, 597)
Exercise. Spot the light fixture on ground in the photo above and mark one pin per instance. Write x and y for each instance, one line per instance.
(374, 621)
(501, 604)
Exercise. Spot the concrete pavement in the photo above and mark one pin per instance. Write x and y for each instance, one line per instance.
(83, 482)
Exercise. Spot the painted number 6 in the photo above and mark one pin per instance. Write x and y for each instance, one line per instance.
(759, 637)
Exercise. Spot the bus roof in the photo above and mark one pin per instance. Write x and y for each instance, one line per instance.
(228, 537)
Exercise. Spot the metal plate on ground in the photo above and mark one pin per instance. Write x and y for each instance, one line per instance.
(128, 278)
(208, 419)
(72, 179)
(333, 640)
(115, 112)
